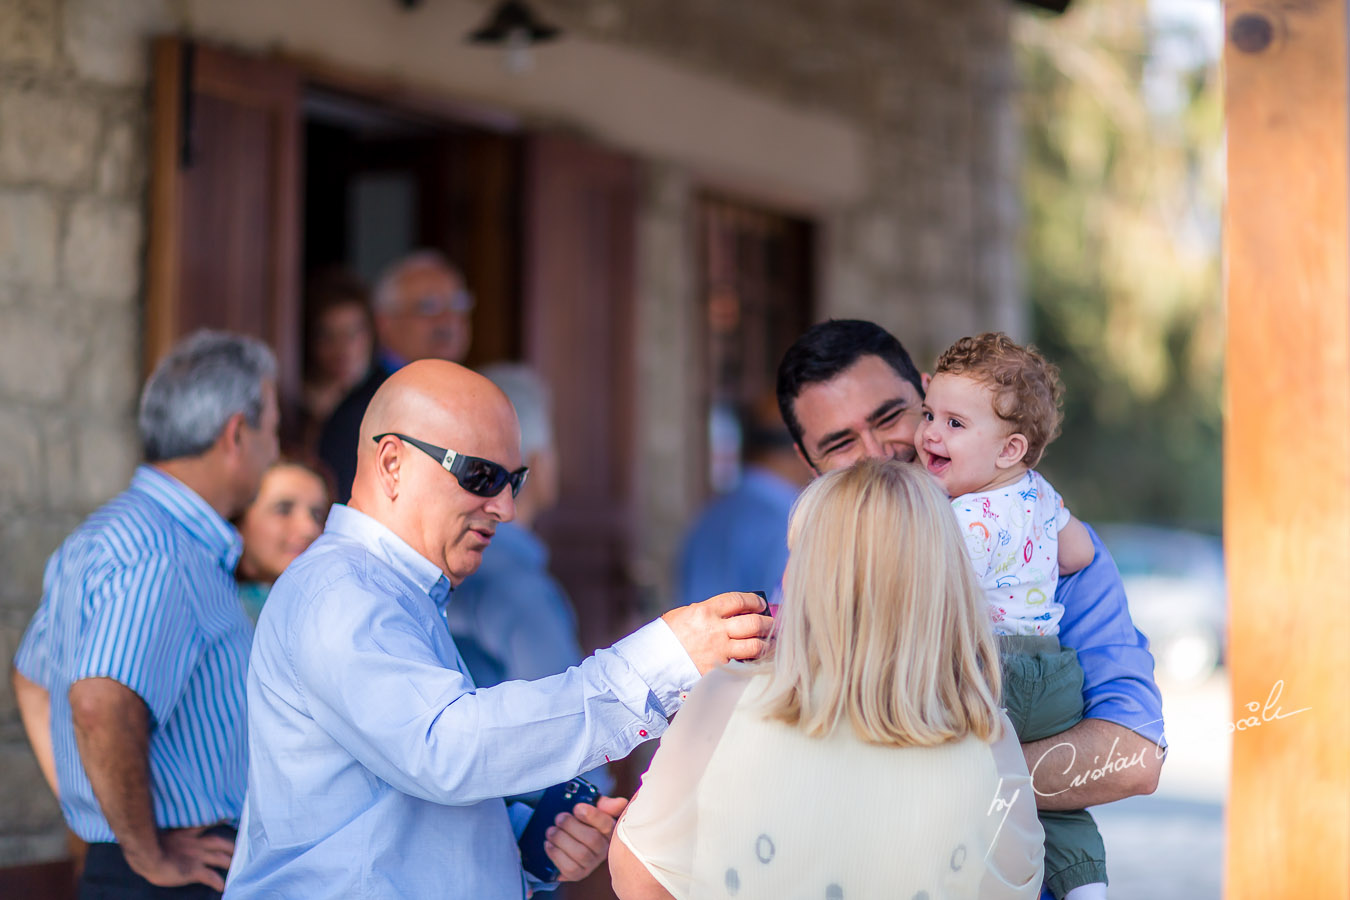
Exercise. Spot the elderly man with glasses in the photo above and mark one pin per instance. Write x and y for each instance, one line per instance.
(376, 767)
(421, 311)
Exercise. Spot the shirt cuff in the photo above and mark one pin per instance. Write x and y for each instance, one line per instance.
(661, 661)
(1127, 715)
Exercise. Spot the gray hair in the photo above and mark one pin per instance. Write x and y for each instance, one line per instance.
(386, 288)
(532, 400)
(205, 379)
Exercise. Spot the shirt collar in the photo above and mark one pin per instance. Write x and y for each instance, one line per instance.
(379, 540)
(192, 512)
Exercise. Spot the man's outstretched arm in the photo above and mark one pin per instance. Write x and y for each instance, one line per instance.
(1117, 750)
(35, 709)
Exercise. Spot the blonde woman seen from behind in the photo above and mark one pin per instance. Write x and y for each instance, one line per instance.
(867, 756)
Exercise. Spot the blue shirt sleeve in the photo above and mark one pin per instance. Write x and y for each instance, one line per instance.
(141, 633)
(371, 677)
(1118, 683)
(34, 656)
(33, 659)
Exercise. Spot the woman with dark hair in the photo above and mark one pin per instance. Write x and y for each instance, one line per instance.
(339, 345)
(280, 524)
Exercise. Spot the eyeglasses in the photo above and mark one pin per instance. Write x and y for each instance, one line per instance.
(476, 475)
(430, 306)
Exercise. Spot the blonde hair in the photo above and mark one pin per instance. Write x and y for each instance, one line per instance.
(882, 619)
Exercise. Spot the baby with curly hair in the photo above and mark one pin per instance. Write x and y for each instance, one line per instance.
(990, 410)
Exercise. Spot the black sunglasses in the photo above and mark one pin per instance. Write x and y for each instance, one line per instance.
(475, 474)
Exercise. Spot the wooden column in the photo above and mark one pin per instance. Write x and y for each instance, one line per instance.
(1287, 446)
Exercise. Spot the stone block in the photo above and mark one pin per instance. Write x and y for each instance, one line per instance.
(122, 165)
(59, 462)
(108, 40)
(40, 354)
(47, 138)
(102, 252)
(28, 237)
(109, 379)
(9, 645)
(105, 456)
(21, 849)
(848, 291)
(879, 241)
(29, 804)
(25, 543)
(28, 32)
(22, 476)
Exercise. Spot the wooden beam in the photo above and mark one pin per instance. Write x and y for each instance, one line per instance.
(1287, 447)
(163, 250)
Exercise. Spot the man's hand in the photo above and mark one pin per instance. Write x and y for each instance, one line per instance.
(112, 734)
(721, 629)
(187, 856)
(579, 841)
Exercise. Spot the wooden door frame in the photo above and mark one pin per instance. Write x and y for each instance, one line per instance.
(177, 58)
(180, 67)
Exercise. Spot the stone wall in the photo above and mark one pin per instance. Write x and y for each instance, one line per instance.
(928, 249)
(72, 184)
(913, 94)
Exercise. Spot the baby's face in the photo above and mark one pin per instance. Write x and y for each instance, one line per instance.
(961, 441)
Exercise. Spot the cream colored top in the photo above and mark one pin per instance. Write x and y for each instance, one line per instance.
(736, 805)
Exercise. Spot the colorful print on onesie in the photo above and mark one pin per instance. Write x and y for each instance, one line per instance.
(1012, 536)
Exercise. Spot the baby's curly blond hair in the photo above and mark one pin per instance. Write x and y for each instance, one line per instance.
(1027, 389)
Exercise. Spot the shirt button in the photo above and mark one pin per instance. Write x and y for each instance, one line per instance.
(642, 732)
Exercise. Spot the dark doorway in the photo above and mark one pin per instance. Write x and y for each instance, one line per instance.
(757, 284)
(380, 182)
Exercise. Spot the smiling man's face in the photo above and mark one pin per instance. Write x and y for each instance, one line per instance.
(867, 411)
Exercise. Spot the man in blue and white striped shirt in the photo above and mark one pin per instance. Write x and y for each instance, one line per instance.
(131, 676)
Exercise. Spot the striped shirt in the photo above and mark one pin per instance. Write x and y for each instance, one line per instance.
(143, 593)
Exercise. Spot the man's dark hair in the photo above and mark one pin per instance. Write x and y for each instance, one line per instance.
(827, 349)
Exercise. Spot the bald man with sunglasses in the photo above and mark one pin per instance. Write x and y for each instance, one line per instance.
(376, 768)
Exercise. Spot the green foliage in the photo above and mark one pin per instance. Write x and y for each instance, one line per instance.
(1122, 186)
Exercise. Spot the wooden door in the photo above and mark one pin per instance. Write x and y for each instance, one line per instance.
(1287, 447)
(224, 221)
(580, 220)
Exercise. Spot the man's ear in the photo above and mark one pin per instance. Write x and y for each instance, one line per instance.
(924, 379)
(231, 439)
(388, 466)
(1013, 451)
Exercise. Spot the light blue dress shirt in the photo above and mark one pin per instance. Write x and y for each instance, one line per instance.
(1118, 683)
(143, 593)
(510, 619)
(376, 768)
(739, 541)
